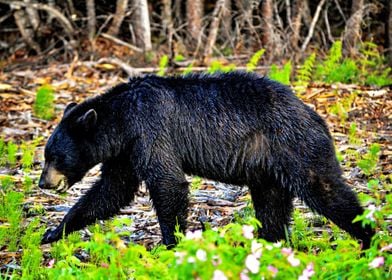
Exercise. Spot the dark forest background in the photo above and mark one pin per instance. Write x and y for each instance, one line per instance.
(43, 31)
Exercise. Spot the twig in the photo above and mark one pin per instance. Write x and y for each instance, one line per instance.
(330, 37)
(288, 12)
(121, 42)
(312, 25)
(132, 72)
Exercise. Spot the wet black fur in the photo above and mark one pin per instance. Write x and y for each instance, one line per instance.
(235, 128)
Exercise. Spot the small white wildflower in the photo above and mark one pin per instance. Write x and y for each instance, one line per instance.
(286, 251)
(197, 234)
(247, 231)
(386, 248)
(201, 255)
(377, 262)
(269, 247)
(180, 257)
(252, 263)
(256, 249)
(219, 275)
(244, 275)
(307, 272)
(293, 260)
(191, 260)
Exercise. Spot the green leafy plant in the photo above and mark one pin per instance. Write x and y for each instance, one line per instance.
(44, 102)
(12, 149)
(368, 162)
(163, 63)
(281, 75)
(304, 73)
(254, 60)
(217, 66)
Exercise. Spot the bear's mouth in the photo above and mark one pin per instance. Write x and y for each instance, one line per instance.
(62, 186)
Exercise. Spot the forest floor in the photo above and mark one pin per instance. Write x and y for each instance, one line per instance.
(341, 105)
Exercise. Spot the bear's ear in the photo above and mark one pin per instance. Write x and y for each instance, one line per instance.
(88, 120)
(68, 108)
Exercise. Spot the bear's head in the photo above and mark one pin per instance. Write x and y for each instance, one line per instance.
(68, 152)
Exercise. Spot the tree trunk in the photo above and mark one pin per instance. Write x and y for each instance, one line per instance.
(389, 32)
(142, 25)
(298, 7)
(352, 31)
(267, 16)
(194, 13)
(121, 8)
(168, 29)
(91, 23)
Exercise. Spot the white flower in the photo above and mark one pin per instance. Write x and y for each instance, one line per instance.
(286, 251)
(256, 248)
(307, 272)
(197, 234)
(191, 260)
(292, 260)
(244, 275)
(377, 262)
(252, 263)
(386, 248)
(372, 209)
(180, 257)
(247, 231)
(201, 255)
(219, 275)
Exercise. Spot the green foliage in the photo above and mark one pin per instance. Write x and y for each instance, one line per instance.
(304, 74)
(179, 58)
(217, 66)
(188, 69)
(254, 60)
(11, 212)
(368, 162)
(324, 70)
(12, 149)
(352, 135)
(27, 155)
(3, 152)
(163, 63)
(343, 106)
(281, 75)
(44, 102)
(196, 183)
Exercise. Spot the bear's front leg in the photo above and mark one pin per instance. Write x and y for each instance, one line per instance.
(114, 190)
(169, 193)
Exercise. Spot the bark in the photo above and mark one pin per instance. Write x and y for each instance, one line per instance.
(267, 15)
(167, 22)
(194, 13)
(352, 31)
(91, 23)
(298, 8)
(121, 8)
(389, 32)
(142, 25)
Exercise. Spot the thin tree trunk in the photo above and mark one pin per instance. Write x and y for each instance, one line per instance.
(142, 25)
(298, 8)
(352, 31)
(194, 13)
(168, 28)
(121, 8)
(216, 16)
(33, 15)
(91, 23)
(267, 15)
(389, 32)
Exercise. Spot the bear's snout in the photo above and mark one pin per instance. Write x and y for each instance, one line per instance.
(51, 178)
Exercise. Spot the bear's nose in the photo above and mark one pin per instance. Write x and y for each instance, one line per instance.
(41, 183)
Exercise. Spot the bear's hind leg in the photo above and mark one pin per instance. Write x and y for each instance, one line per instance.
(273, 206)
(331, 197)
(114, 190)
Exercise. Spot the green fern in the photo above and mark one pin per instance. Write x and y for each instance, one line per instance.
(324, 70)
(304, 75)
(217, 66)
(44, 102)
(281, 75)
(254, 60)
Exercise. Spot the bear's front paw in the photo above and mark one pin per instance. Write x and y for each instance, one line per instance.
(51, 236)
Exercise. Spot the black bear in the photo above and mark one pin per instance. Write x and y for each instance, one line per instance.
(236, 128)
